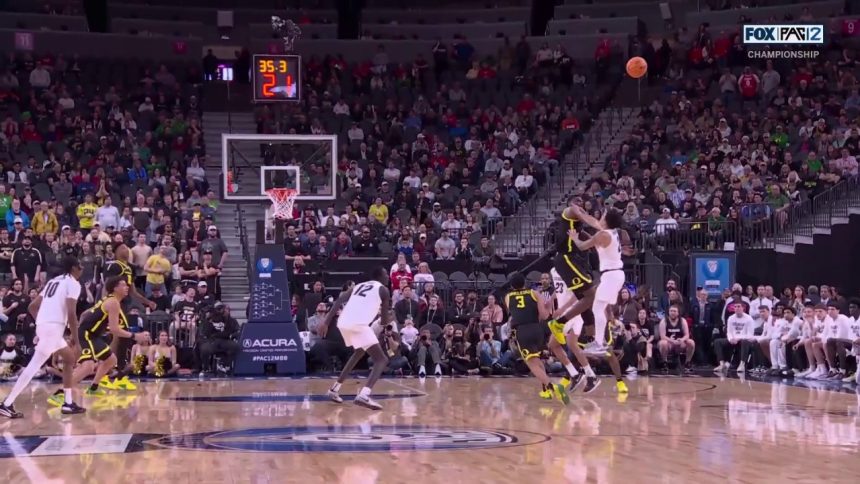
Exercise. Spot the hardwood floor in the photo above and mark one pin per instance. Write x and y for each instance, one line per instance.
(668, 429)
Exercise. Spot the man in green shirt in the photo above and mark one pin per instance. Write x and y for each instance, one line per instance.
(5, 202)
(813, 162)
(780, 137)
(775, 198)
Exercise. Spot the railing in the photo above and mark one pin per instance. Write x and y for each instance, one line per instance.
(519, 231)
(243, 239)
(758, 226)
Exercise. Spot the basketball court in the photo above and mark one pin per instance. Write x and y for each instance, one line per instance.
(669, 429)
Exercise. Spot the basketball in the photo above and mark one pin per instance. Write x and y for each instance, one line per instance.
(636, 67)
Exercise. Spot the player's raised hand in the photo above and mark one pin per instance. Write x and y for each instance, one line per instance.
(322, 330)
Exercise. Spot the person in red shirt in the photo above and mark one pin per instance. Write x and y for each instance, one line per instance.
(526, 105)
(748, 85)
(401, 271)
(722, 45)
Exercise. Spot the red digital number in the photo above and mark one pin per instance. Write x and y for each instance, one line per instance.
(268, 84)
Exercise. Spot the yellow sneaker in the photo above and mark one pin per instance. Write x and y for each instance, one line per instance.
(621, 387)
(107, 384)
(565, 382)
(94, 393)
(124, 384)
(546, 394)
(557, 330)
(57, 399)
(561, 393)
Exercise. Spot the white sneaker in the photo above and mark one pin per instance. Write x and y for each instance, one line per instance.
(849, 379)
(367, 402)
(596, 349)
(741, 368)
(437, 371)
(334, 396)
(719, 368)
(422, 372)
(631, 369)
(804, 373)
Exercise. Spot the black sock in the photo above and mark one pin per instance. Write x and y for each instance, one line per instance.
(59, 392)
(618, 378)
(561, 320)
(94, 387)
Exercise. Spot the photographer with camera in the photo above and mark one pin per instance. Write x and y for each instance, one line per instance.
(218, 334)
(390, 342)
(490, 352)
(425, 347)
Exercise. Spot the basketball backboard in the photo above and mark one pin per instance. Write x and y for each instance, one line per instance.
(254, 163)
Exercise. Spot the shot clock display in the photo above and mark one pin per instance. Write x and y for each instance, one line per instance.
(276, 77)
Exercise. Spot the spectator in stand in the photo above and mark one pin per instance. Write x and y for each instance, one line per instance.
(444, 247)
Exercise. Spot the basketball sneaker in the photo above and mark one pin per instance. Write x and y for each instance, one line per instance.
(576, 382)
(94, 392)
(10, 412)
(560, 393)
(621, 386)
(107, 384)
(591, 384)
(334, 396)
(57, 399)
(565, 381)
(546, 393)
(367, 402)
(71, 409)
(596, 349)
(124, 384)
(805, 373)
(557, 330)
(742, 368)
(849, 379)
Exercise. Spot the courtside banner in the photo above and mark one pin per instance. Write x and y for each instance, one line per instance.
(277, 344)
(270, 291)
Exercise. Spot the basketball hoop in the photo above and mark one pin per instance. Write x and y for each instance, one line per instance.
(282, 202)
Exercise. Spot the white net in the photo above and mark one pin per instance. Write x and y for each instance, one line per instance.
(282, 202)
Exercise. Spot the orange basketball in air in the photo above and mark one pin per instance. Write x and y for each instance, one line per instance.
(636, 67)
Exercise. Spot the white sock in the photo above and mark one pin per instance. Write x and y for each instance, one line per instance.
(822, 368)
(335, 387)
(26, 377)
(571, 369)
(589, 372)
(67, 393)
(365, 392)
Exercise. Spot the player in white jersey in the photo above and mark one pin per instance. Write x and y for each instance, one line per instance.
(837, 342)
(786, 330)
(53, 308)
(611, 243)
(813, 343)
(361, 306)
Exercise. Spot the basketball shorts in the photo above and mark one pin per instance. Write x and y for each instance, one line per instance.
(530, 340)
(93, 347)
(50, 337)
(611, 283)
(358, 336)
(575, 272)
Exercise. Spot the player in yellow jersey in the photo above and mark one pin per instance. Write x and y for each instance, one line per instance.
(104, 317)
(528, 333)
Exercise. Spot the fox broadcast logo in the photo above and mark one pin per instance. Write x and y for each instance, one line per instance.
(783, 34)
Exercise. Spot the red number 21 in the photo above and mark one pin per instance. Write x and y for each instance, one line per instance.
(268, 84)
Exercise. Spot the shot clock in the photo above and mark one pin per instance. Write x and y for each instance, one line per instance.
(276, 78)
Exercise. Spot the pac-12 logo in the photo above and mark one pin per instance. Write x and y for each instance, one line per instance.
(783, 34)
(265, 266)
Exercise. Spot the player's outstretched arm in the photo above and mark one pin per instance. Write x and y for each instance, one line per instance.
(600, 239)
(581, 214)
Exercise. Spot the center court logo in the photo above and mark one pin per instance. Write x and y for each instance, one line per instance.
(348, 439)
(283, 439)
